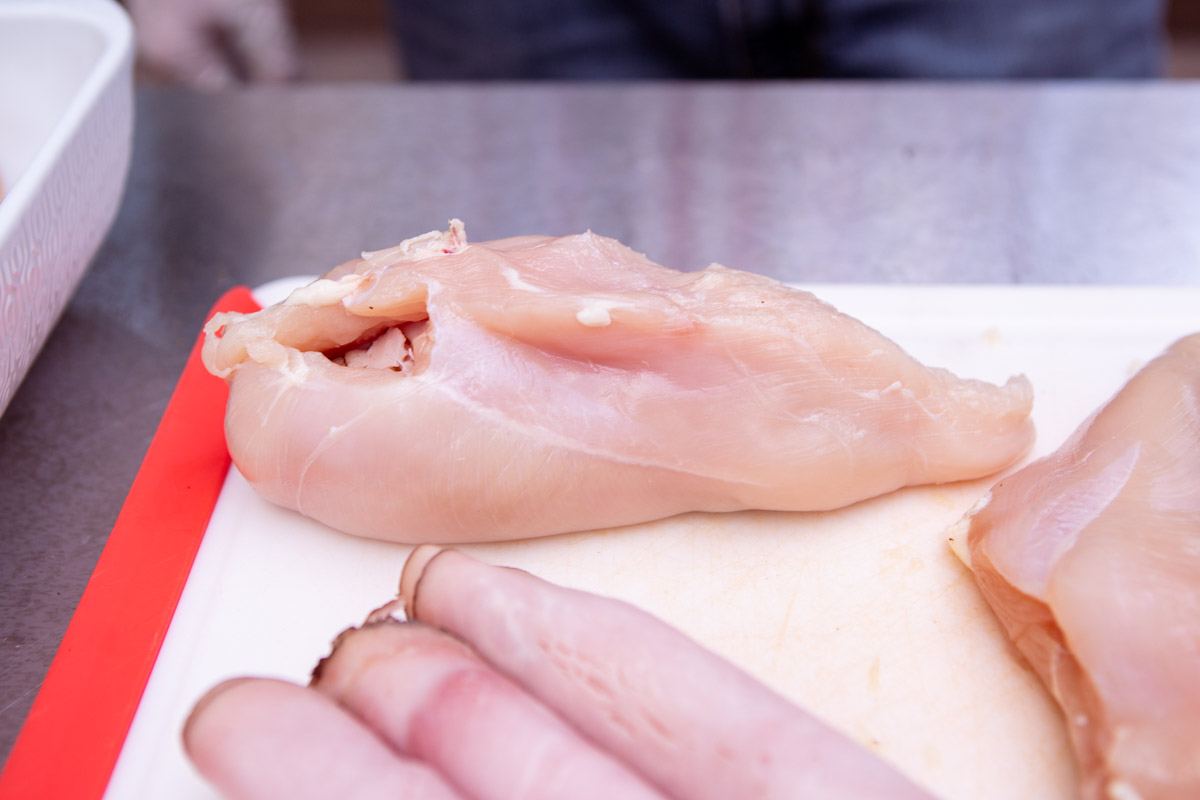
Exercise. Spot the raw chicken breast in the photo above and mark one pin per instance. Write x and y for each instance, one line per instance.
(1091, 559)
(440, 391)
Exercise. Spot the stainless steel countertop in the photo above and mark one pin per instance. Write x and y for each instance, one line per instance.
(806, 182)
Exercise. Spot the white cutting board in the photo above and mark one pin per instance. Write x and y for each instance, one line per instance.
(861, 615)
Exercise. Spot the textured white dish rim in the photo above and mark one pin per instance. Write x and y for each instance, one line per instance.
(114, 25)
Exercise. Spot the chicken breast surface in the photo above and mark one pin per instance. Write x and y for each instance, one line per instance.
(445, 391)
(1091, 559)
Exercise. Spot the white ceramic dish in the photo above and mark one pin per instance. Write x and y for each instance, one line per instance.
(66, 119)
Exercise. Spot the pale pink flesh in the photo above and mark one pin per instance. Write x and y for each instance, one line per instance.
(692, 723)
(258, 739)
(569, 383)
(1091, 559)
(432, 698)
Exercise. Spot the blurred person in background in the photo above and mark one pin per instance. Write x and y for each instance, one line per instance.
(211, 43)
(208, 44)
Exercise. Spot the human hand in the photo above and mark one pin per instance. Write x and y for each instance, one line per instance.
(208, 44)
(502, 686)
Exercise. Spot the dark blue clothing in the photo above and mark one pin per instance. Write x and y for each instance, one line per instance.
(626, 39)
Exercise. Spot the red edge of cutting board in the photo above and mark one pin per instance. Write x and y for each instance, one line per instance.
(78, 723)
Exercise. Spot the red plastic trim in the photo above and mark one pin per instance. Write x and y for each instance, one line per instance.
(78, 723)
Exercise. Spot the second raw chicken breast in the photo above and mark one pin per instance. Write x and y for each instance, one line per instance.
(1090, 558)
(446, 392)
